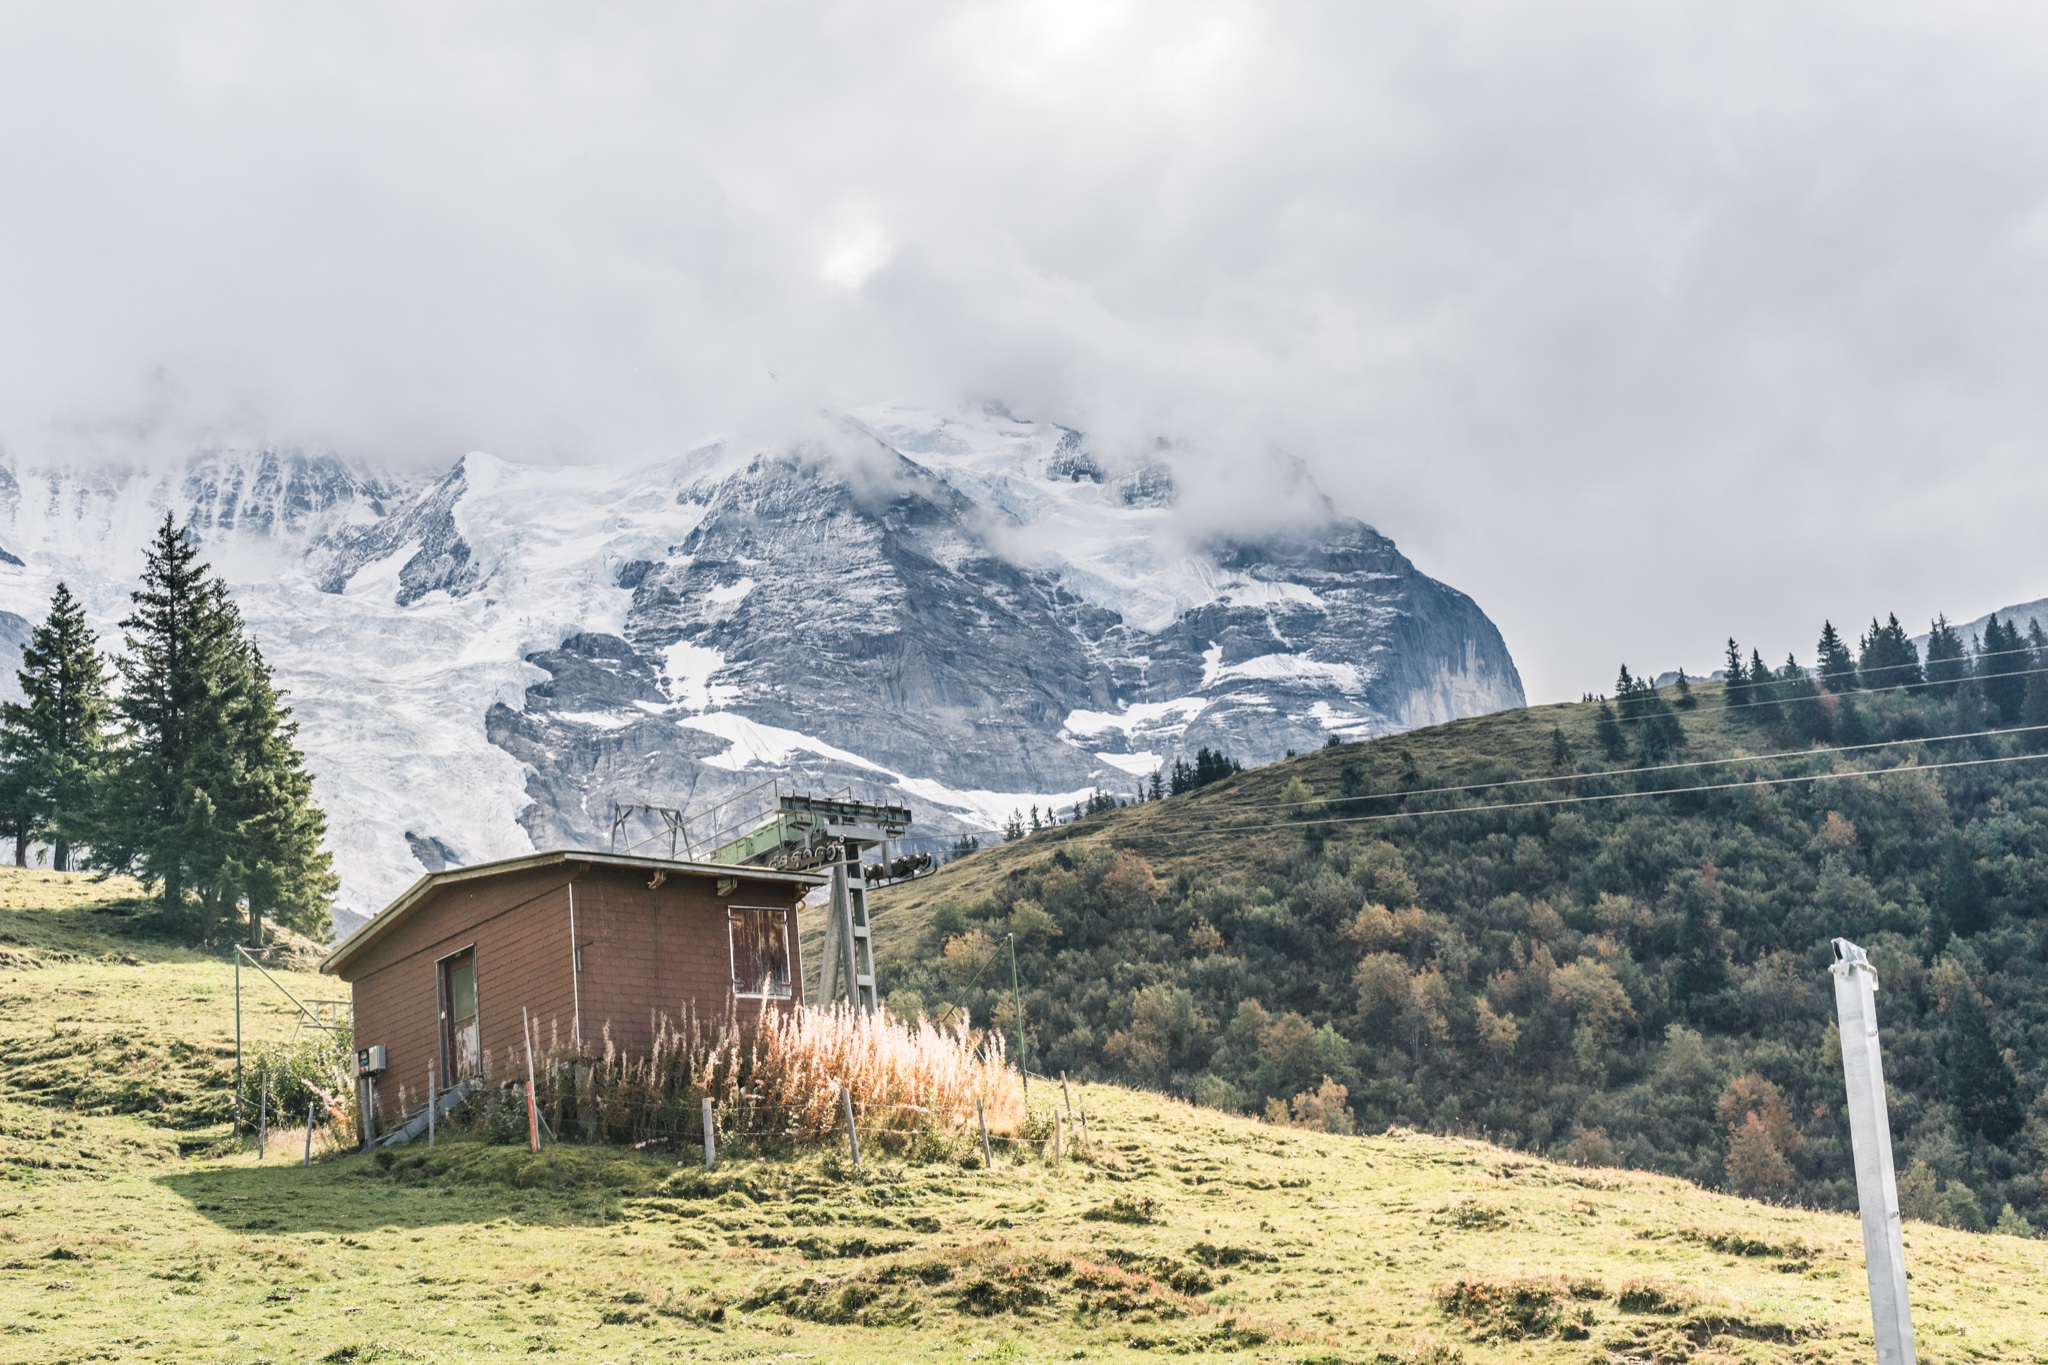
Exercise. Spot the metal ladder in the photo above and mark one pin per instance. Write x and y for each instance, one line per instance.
(849, 949)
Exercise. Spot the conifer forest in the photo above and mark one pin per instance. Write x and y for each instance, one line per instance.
(1600, 931)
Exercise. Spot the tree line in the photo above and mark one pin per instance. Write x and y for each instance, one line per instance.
(175, 760)
(1639, 981)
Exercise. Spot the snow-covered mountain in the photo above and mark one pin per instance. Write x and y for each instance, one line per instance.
(973, 613)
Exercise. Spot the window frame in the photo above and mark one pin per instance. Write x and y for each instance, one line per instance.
(732, 950)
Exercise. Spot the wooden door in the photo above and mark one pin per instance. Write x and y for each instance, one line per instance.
(461, 1050)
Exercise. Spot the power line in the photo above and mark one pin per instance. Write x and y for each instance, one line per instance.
(1923, 685)
(1629, 772)
(1606, 796)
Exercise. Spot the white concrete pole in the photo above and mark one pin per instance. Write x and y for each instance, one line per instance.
(1870, 1131)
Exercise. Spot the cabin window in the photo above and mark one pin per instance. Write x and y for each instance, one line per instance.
(760, 951)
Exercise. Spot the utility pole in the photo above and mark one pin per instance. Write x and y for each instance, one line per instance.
(1017, 997)
(1870, 1133)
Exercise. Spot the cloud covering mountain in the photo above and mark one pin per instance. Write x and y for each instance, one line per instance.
(974, 613)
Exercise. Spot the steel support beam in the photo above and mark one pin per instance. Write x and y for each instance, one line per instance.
(1870, 1131)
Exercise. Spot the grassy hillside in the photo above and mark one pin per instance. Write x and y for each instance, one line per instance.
(1174, 1230)
(1638, 979)
(100, 1016)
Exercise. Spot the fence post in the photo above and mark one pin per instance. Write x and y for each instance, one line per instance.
(710, 1139)
(1087, 1140)
(1023, 1048)
(988, 1158)
(432, 1096)
(1057, 1151)
(1067, 1096)
(532, 1105)
(852, 1136)
(238, 1047)
(309, 1133)
(263, 1118)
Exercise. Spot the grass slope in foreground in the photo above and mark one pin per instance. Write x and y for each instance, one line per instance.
(1186, 1232)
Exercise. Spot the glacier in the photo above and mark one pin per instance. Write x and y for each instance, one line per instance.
(977, 615)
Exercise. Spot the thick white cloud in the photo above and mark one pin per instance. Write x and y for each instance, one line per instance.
(1641, 323)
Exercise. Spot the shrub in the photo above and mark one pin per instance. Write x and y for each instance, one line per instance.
(773, 1081)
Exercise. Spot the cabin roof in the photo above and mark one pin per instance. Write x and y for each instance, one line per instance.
(395, 913)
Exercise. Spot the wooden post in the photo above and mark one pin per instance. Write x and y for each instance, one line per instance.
(988, 1158)
(1084, 1124)
(263, 1118)
(710, 1138)
(532, 1109)
(1068, 1096)
(1056, 1152)
(309, 1133)
(1023, 1050)
(432, 1096)
(852, 1135)
(238, 1047)
(575, 974)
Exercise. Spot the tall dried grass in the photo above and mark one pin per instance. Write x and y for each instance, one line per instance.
(777, 1080)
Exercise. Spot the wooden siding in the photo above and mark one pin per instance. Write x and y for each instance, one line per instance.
(648, 953)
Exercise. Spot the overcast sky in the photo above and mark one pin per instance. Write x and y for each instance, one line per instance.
(1643, 324)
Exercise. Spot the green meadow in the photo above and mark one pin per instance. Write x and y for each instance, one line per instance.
(132, 1228)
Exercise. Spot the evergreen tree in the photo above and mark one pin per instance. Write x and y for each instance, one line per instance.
(1763, 691)
(2003, 662)
(1737, 679)
(1607, 730)
(1832, 660)
(54, 742)
(284, 873)
(1947, 660)
(207, 798)
(1560, 752)
(1157, 790)
(1981, 1082)
(1686, 700)
(2034, 711)
(17, 809)
(1888, 658)
(1013, 828)
(1799, 702)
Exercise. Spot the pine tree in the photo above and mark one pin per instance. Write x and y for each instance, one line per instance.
(1013, 828)
(1607, 730)
(54, 742)
(1738, 681)
(1947, 660)
(1157, 790)
(1763, 691)
(207, 798)
(284, 873)
(2002, 666)
(1889, 658)
(1686, 700)
(2034, 711)
(1832, 660)
(1981, 1082)
(1560, 751)
(1799, 699)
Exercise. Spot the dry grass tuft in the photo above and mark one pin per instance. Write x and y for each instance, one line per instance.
(779, 1079)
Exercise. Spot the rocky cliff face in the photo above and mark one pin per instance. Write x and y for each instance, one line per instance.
(975, 614)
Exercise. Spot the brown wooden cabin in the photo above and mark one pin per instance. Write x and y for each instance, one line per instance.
(580, 942)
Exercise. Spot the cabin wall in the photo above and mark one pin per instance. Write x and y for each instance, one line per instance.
(648, 952)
